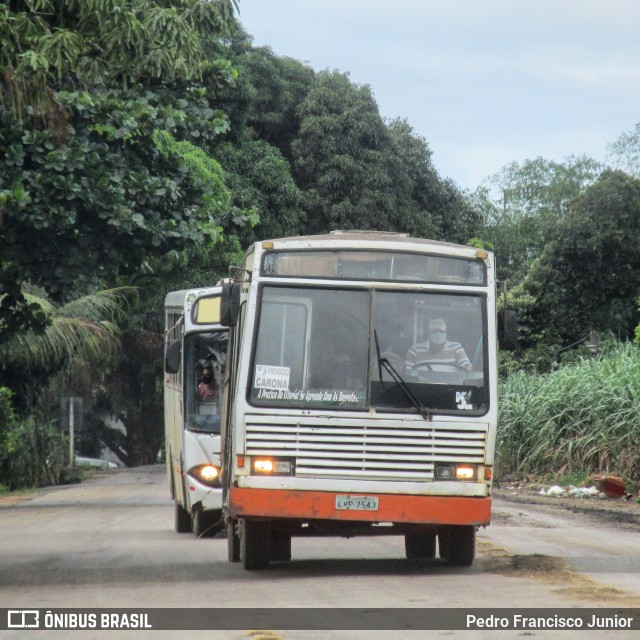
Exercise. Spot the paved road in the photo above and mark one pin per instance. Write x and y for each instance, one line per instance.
(110, 543)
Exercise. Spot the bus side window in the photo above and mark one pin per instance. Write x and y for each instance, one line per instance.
(172, 357)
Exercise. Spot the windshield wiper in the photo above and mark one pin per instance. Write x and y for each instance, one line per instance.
(399, 380)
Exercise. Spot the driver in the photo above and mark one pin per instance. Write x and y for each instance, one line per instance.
(437, 353)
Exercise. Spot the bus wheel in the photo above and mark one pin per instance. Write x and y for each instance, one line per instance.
(280, 546)
(233, 541)
(254, 544)
(462, 546)
(444, 539)
(205, 523)
(420, 546)
(182, 519)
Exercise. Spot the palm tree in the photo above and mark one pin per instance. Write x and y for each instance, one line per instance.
(79, 331)
(79, 335)
(40, 367)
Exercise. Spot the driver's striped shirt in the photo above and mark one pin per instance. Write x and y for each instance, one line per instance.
(450, 358)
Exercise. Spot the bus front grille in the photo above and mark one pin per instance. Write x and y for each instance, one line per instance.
(348, 448)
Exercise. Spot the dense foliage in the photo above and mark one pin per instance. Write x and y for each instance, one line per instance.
(588, 276)
(147, 142)
(82, 333)
(524, 203)
(108, 119)
(32, 450)
(86, 85)
(113, 194)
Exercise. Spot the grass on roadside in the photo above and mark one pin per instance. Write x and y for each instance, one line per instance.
(581, 419)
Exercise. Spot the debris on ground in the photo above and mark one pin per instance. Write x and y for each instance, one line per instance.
(623, 513)
(579, 492)
(612, 486)
(607, 488)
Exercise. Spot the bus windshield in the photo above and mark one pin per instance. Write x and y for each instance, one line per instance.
(205, 354)
(316, 348)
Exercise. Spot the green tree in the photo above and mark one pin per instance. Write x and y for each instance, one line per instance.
(358, 172)
(624, 152)
(31, 453)
(130, 393)
(523, 204)
(102, 202)
(46, 45)
(82, 331)
(278, 87)
(338, 159)
(589, 276)
(425, 205)
(260, 178)
(41, 367)
(86, 190)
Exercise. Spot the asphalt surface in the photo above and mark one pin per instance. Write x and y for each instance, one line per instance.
(109, 543)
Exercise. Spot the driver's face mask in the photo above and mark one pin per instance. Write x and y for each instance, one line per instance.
(437, 337)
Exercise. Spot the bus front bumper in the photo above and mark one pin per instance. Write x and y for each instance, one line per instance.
(210, 499)
(323, 505)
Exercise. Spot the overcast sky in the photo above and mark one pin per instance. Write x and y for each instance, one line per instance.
(485, 82)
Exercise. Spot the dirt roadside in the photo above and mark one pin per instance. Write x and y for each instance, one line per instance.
(625, 513)
(13, 498)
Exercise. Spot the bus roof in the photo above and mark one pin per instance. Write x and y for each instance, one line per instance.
(358, 236)
(177, 298)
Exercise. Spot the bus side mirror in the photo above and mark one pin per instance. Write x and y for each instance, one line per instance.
(508, 330)
(229, 304)
(172, 357)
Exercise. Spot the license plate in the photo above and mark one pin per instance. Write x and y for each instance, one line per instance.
(357, 503)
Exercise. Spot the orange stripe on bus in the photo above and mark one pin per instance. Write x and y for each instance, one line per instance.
(282, 503)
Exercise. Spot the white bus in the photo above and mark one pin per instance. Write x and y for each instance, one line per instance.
(195, 354)
(360, 394)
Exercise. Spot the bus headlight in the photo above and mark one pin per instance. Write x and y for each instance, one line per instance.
(465, 472)
(455, 472)
(271, 467)
(206, 474)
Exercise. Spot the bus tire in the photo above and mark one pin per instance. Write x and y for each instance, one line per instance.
(182, 519)
(420, 546)
(462, 546)
(444, 540)
(255, 551)
(233, 541)
(198, 524)
(280, 546)
(206, 523)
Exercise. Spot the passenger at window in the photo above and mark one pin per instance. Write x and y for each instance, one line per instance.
(207, 390)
